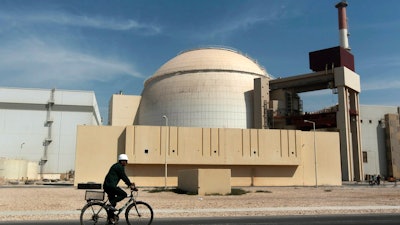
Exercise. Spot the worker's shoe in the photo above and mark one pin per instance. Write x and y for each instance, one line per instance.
(111, 208)
(111, 221)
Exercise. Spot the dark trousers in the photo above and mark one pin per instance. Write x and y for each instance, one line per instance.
(115, 194)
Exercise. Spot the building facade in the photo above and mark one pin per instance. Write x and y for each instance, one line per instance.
(39, 126)
(380, 140)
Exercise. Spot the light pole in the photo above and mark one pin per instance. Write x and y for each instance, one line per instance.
(315, 153)
(166, 150)
(20, 157)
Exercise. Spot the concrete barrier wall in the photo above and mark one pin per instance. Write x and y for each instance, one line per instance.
(255, 157)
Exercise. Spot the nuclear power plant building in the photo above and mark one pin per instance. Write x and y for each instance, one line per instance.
(209, 108)
(218, 108)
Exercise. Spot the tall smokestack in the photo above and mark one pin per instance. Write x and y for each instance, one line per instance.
(343, 32)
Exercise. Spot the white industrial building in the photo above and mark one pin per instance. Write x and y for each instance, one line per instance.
(380, 152)
(38, 130)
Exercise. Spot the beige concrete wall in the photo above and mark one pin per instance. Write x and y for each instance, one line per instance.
(255, 157)
(212, 146)
(328, 158)
(97, 148)
(123, 109)
(205, 181)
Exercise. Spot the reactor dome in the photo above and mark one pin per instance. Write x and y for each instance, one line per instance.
(206, 87)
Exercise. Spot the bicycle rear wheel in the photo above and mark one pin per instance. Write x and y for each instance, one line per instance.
(139, 213)
(94, 213)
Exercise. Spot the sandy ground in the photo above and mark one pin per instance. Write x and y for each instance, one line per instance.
(39, 202)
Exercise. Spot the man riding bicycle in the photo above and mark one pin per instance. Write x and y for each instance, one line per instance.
(97, 211)
(114, 175)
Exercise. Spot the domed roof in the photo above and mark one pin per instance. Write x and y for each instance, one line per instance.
(209, 59)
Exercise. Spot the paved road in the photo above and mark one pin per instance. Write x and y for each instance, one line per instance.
(375, 219)
(291, 220)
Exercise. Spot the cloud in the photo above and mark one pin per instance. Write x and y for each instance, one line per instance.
(33, 62)
(65, 19)
(239, 24)
(382, 62)
(384, 84)
(40, 49)
(252, 16)
(380, 73)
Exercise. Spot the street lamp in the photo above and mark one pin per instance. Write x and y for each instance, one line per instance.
(166, 150)
(315, 153)
(19, 156)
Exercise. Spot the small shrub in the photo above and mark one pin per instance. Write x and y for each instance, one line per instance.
(175, 190)
(237, 191)
(180, 191)
(213, 194)
(158, 190)
(263, 191)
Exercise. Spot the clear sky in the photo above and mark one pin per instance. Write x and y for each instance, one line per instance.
(112, 46)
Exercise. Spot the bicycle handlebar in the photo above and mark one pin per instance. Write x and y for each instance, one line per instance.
(134, 189)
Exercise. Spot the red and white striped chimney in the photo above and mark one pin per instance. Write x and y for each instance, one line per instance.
(343, 32)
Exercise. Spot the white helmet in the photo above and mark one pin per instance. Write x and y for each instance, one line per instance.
(122, 157)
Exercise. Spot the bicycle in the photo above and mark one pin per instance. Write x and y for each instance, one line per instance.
(96, 211)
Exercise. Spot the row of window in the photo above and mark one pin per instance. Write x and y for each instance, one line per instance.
(370, 121)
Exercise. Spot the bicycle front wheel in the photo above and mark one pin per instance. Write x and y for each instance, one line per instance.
(94, 213)
(139, 213)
